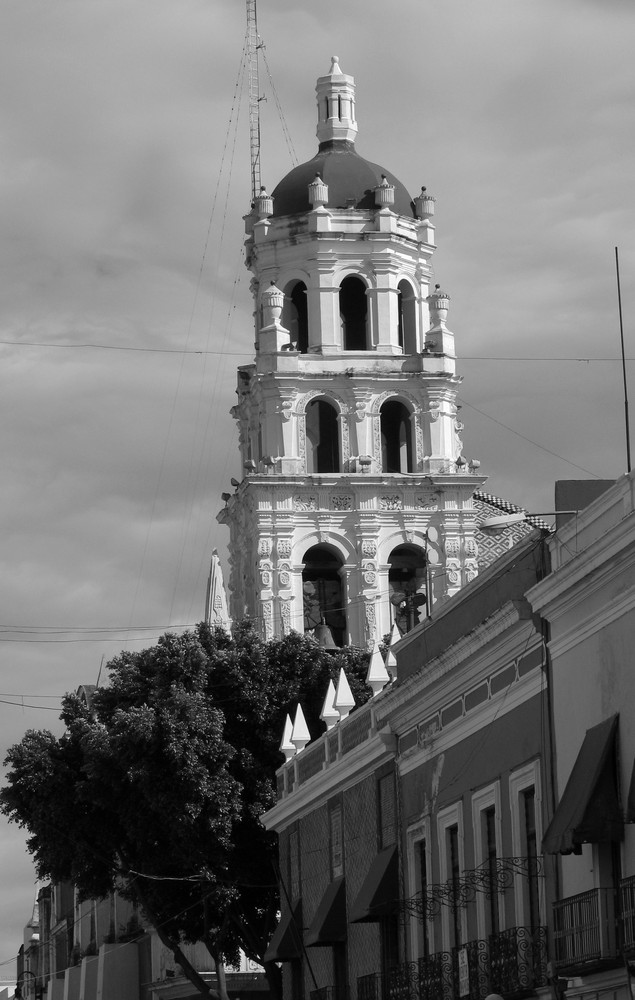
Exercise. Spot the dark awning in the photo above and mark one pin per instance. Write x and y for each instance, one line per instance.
(286, 941)
(329, 922)
(379, 891)
(588, 811)
(630, 803)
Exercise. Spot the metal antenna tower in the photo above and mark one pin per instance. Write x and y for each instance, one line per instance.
(253, 44)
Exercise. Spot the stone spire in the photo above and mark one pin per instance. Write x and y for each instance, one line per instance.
(336, 106)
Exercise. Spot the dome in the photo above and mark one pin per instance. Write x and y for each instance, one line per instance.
(350, 178)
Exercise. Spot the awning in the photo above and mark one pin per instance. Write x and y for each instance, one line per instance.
(286, 941)
(588, 811)
(329, 922)
(380, 889)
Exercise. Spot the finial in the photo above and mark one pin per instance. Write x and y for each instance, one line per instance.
(300, 735)
(344, 700)
(286, 746)
(335, 66)
(329, 714)
(377, 676)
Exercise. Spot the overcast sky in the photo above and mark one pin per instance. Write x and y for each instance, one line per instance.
(124, 302)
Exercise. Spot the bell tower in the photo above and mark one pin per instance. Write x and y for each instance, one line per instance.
(356, 504)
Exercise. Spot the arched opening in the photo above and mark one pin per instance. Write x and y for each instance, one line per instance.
(322, 592)
(407, 585)
(295, 315)
(407, 318)
(322, 437)
(396, 437)
(353, 314)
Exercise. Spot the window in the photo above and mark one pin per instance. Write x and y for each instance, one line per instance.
(322, 438)
(294, 862)
(486, 825)
(336, 841)
(419, 878)
(322, 592)
(396, 437)
(387, 812)
(353, 314)
(451, 858)
(525, 803)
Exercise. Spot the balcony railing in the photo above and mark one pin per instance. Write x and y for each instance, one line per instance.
(329, 993)
(512, 963)
(584, 928)
(627, 913)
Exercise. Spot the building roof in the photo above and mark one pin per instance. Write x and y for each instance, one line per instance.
(350, 178)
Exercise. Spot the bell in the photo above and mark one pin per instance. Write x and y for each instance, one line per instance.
(324, 635)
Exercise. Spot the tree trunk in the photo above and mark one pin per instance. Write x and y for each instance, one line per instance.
(189, 971)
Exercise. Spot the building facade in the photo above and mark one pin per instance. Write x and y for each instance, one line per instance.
(410, 833)
(588, 601)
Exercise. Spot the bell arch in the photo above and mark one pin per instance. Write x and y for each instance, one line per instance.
(323, 591)
(322, 437)
(295, 314)
(397, 451)
(407, 585)
(353, 306)
(407, 317)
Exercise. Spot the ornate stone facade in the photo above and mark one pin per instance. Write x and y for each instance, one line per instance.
(354, 485)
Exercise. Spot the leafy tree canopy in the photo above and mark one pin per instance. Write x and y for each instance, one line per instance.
(156, 787)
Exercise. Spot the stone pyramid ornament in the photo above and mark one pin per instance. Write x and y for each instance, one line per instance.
(344, 700)
(329, 714)
(391, 664)
(395, 634)
(377, 676)
(286, 746)
(300, 735)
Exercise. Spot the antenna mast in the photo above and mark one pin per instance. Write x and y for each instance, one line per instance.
(253, 44)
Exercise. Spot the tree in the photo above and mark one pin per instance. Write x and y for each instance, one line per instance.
(156, 787)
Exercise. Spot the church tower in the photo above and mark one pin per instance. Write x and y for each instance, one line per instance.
(356, 505)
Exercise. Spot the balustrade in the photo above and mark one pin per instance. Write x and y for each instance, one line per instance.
(513, 963)
(584, 928)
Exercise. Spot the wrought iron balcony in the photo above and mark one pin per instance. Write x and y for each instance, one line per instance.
(512, 963)
(584, 928)
(328, 993)
(627, 913)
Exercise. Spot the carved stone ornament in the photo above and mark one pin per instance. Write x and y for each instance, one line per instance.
(284, 547)
(452, 546)
(265, 577)
(264, 547)
(267, 616)
(286, 408)
(392, 502)
(360, 410)
(426, 501)
(341, 502)
(285, 615)
(285, 578)
(369, 548)
(370, 623)
(370, 578)
(471, 548)
(305, 503)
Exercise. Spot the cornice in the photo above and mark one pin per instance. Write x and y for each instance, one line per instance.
(474, 722)
(335, 777)
(470, 646)
(586, 572)
(609, 612)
